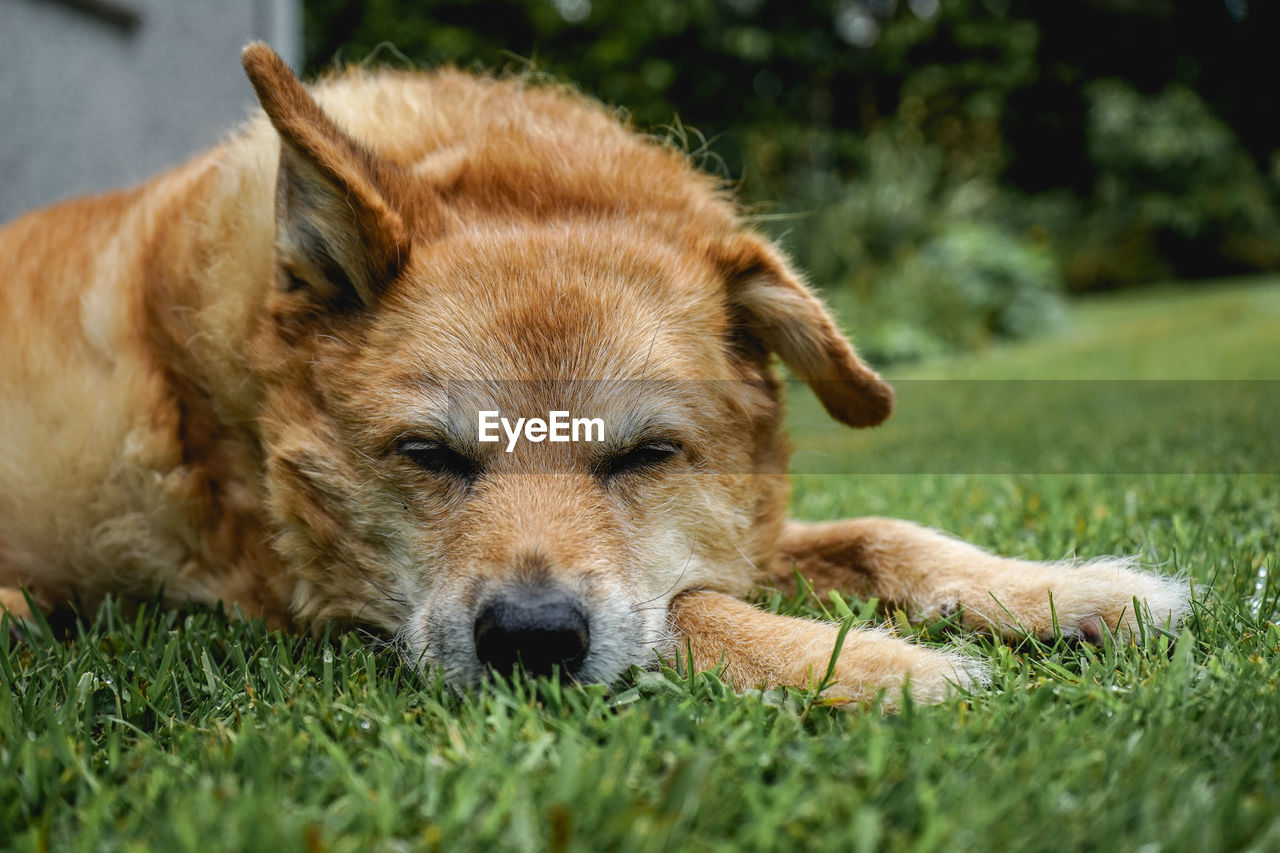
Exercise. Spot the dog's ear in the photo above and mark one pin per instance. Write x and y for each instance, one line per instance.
(773, 311)
(338, 238)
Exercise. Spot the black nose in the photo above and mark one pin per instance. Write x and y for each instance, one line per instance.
(534, 627)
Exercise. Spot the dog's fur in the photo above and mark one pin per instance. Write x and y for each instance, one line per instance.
(211, 386)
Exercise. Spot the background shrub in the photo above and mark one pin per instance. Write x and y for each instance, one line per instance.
(898, 148)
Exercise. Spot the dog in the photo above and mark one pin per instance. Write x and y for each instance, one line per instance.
(262, 379)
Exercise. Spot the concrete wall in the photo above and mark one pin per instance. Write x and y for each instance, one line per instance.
(90, 101)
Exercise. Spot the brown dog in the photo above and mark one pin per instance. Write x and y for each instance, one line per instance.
(258, 379)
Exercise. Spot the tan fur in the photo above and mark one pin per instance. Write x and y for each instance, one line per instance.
(206, 384)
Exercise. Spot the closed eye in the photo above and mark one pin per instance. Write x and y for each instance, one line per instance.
(437, 458)
(646, 456)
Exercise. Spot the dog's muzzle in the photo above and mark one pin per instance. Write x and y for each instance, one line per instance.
(539, 628)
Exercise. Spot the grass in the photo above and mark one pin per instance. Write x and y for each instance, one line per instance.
(192, 731)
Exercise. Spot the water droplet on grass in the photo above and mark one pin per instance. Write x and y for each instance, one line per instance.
(1259, 591)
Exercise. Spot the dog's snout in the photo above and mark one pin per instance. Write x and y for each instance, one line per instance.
(537, 628)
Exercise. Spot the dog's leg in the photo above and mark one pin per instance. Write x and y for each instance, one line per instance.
(932, 575)
(762, 649)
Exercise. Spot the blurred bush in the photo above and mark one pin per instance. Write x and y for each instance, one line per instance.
(1175, 194)
(927, 265)
(945, 167)
(965, 287)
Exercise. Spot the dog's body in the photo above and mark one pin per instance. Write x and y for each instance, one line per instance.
(246, 382)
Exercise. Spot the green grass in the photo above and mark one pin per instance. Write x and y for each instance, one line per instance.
(1213, 330)
(1165, 381)
(195, 732)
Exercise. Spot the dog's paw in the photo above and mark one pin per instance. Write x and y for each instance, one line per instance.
(944, 672)
(874, 662)
(1015, 599)
(1081, 602)
(1110, 594)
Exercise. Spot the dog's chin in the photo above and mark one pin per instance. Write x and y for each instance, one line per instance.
(441, 641)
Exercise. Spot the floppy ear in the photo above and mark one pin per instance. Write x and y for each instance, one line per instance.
(776, 312)
(337, 236)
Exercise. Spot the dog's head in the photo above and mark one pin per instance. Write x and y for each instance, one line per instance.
(524, 273)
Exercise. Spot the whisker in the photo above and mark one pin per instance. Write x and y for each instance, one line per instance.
(637, 607)
(367, 603)
(652, 340)
(748, 560)
(377, 641)
(390, 596)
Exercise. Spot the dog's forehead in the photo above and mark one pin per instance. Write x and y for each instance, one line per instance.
(558, 302)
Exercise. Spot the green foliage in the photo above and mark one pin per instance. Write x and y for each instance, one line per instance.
(930, 268)
(1175, 191)
(964, 287)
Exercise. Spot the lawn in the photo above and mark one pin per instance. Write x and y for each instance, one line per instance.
(193, 731)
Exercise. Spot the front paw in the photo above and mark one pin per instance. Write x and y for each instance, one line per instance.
(941, 673)
(1083, 602)
(1110, 594)
(874, 662)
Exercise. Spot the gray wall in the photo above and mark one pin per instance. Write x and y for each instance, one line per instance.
(89, 103)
